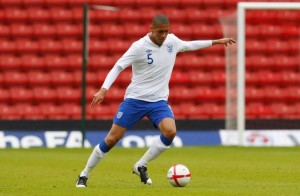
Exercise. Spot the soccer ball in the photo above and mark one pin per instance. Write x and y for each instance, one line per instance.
(179, 175)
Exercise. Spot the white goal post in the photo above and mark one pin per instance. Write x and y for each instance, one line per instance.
(241, 23)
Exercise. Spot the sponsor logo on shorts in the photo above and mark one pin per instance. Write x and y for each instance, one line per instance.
(120, 114)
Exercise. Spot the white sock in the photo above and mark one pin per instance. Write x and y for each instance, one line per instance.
(156, 149)
(93, 160)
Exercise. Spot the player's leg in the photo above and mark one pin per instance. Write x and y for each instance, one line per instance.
(163, 118)
(129, 112)
(159, 145)
(114, 135)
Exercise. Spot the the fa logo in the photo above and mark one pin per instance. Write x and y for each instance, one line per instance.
(170, 48)
(119, 115)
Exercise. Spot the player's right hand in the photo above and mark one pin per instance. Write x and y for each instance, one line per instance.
(98, 97)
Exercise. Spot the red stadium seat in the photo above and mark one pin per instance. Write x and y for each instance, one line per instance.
(214, 111)
(117, 45)
(268, 31)
(4, 30)
(7, 46)
(169, 3)
(72, 46)
(195, 15)
(9, 112)
(259, 62)
(49, 45)
(68, 30)
(126, 3)
(31, 62)
(12, 78)
(29, 111)
(97, 62)
(251, 78)
(291, 77)
(201, 31)
(100, 112)
(67, 94)
(147, 14)
(73, 111)
(293, 94)
(177, 111)
(269, 77)
(282, 110)
(218, 78)
(33, 3)
(38, 78)
(129, 15)
(56, 2)
(27, 46)
(135, 30)
(194, 111)
(274, 93)
(60, 14)
(258, 110)
(91, 78)
(44, 94)
(193, 61)
(179, 77)
(12, 2)
(106, 15)
(115, 94)
(182, 94)
(54, 62)
(14, 14)
(8, 62)
(43, 30)
(175, 15)
(290, 31)
(215, 61)
(275, 46)
(254, 94)
(181, 30)
(95, 31)
(38, 14)
(96, 45)
(51, 111)
(74, 61)
(20, 94)
(61, 78)
(147, 3)
(204, 78)
(254, 46)
(77, 13)
(190, 3)
(286, 62)
(112, 30)
(4, 95)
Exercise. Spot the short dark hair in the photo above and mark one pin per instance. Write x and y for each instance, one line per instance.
(160, 19)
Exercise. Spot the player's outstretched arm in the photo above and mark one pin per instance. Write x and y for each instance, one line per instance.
(98, 97)
(224, 41)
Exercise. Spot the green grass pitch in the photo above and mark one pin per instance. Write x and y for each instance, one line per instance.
(215, 171)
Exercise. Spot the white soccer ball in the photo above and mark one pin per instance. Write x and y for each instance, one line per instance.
(179, 175)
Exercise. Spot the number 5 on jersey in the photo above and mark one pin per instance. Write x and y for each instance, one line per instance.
(149, 58)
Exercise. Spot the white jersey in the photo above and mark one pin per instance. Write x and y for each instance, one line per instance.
(152, 66)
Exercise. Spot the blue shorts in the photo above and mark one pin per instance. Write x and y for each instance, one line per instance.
(132, 110)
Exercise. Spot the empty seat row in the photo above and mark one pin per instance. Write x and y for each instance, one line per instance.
(65, 46)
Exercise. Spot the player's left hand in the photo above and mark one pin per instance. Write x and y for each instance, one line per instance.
(226, 41)
(98, 97)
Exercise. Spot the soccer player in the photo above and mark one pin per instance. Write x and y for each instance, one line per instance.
(152, 58)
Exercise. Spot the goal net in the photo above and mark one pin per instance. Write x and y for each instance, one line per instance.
(262, 72)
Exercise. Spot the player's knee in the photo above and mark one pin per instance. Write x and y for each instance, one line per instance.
(170, 134)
